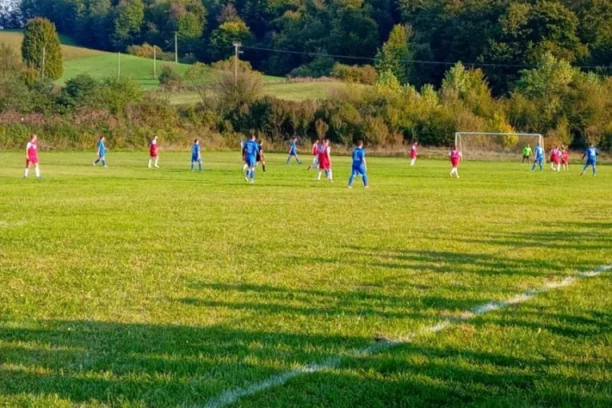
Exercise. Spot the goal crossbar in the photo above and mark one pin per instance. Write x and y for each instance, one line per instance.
(506, 143)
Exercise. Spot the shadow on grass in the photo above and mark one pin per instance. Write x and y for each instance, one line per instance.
(153, 364)
(421, 376)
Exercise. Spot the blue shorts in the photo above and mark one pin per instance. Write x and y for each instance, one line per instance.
(195, 158)
(591, 163)
(293, 153)
(359, 170)
(251, 161)
(539, 159)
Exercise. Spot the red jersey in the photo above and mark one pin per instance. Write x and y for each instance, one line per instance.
(323, 156)
(455, 157)
(153, 149)
(413, 151)
(315, 148)
(32, 150)
(554, 155)
(565, 157)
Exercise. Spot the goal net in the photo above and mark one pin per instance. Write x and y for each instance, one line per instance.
(491, 146)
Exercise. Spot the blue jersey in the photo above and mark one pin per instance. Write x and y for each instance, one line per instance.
(251, 148)
(293, 147)
(101, 148)
(358, 157)
(195, 150)
(539, 152)
(591, 154)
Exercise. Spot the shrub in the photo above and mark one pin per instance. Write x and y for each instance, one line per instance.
(170, 78)
(365, 74)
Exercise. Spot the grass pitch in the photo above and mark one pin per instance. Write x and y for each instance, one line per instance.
(132, 287)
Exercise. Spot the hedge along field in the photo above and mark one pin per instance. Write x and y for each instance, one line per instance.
(128, 286)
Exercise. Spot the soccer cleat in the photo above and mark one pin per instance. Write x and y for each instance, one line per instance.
(94, 164)
(156, 166)
(246, 179)
(350, 186)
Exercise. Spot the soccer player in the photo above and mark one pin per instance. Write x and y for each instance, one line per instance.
(555, 159)
(32, 157)
(591, 154)
(153, 153)
(413, 153)
(315, 160)
(196, 154)
(539, 158)
(360, 166)
(101, 152)
(324, 158)
(455, 158)
(251, 148)
(260, 156)
(527, 152)
(564, 159)
(293, 151)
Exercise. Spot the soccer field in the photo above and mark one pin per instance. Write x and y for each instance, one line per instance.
(133, 287)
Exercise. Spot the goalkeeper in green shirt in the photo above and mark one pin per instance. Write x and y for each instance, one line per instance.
(527, 152)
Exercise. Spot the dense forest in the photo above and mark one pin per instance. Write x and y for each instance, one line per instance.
(499, 36)
(527, 65)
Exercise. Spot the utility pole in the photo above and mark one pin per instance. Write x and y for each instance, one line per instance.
(119, 65)
(44, 56)
(237, 51)
(176, 48)
(154, 62)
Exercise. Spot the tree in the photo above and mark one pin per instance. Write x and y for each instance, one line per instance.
(41, 43)
(395, 54)
(548, 84)
(222, 38)
(128, 21)
(10, 15)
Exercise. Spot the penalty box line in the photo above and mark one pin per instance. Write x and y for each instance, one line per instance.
(231, 396)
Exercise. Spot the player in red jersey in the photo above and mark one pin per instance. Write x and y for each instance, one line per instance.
(455, 158)
(413, 153)
(315, 159)
(32, 157)
(153, 152)
(555, 159)
(325, 162)
(564, 159)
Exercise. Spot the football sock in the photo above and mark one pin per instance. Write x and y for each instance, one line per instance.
(37, 172)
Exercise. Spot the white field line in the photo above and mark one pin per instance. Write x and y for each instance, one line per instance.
(231, 396)
(11, 224)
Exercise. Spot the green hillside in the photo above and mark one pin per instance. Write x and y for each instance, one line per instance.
(100, 64)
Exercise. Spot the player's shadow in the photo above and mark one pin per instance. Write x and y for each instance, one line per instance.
(447, 376)
(150, 365)
(360, 302)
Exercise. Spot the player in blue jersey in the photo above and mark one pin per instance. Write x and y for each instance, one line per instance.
(360, 166)
(539, 158)
(591, 154)
(101, 152)
(293, 151)
(196, 154)
(250, 150)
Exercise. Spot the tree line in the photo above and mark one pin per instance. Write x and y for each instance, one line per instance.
(505, 36)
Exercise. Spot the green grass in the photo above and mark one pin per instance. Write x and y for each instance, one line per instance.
(133, 287)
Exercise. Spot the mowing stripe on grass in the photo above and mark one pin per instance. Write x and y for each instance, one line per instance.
(232, 396)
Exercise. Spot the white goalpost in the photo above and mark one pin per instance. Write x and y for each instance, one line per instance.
(491, 145)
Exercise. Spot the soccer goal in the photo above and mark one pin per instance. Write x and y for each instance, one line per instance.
(488, 146)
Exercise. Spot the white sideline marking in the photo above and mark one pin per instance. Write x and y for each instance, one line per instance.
(231, 396)
(12, 224)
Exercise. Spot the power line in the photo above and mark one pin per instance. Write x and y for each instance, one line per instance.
(421, 62)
